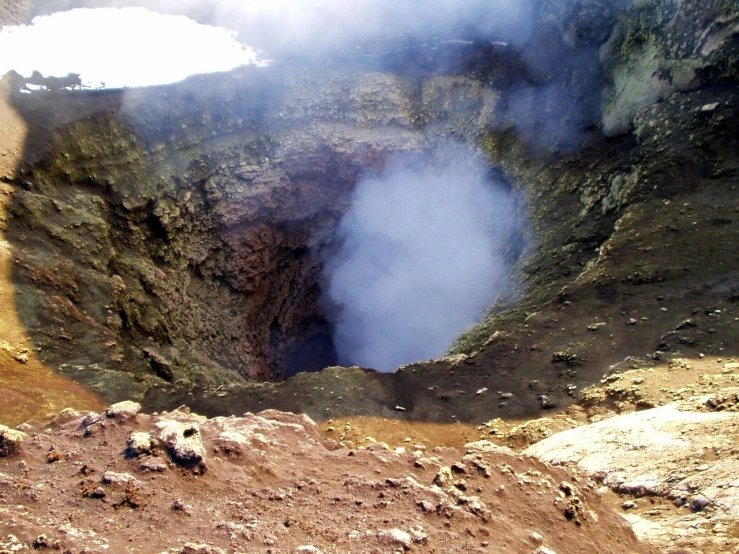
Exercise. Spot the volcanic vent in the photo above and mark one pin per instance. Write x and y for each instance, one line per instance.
(191, 246)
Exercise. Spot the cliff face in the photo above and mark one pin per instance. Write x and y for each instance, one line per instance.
(171, 239)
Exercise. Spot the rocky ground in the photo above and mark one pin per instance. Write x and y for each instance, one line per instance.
(156, 247)
(177, 482)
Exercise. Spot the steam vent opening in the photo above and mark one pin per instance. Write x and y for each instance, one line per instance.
(275, 219)
(287, 210)
(224, 240)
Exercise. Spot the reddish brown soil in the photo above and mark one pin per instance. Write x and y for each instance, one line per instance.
(289, 488)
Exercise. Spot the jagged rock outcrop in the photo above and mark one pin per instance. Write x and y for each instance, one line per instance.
(661, 47)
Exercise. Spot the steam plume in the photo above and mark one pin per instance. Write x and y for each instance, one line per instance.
(422, 255)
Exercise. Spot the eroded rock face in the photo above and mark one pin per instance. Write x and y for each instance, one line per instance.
(164, 238)
(290, 490)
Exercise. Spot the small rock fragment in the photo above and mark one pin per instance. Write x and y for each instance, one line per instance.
(699, 503)
(139, 443)
(309, 549)
(161, 365)
(460, 484)
(153, 465)
(418, 536)
(183, 442)
(53, 455)
(486, 446)
(459, 467)
(192, 548)
(443, 477)
(546, 402)
(114, 478)
(426, 506)
(180, 506)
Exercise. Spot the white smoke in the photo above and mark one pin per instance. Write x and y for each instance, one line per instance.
(123, 43)
(422, 255)
(316, 26)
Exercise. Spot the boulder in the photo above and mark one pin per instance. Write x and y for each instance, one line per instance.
(11, 441)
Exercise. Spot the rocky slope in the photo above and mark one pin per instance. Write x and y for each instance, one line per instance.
(178, 482)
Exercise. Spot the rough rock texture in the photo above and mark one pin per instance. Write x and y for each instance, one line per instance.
(664, 46)
(288, 490)
(183, 442)
(163, 238)
(124, 410)
(201, 233)
(678, 460)
(11, 441)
